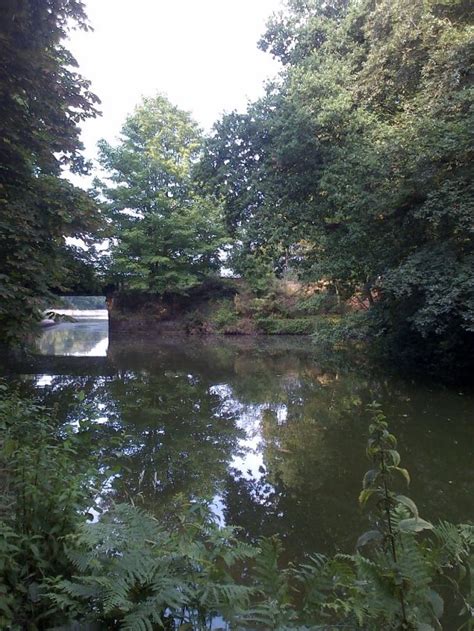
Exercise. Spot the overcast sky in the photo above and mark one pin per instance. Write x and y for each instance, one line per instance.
(201, 53)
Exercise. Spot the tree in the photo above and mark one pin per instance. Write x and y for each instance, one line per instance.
(168, 236)
(393, 209)
(304, 26)
(244, 165)
(42, 103)
(363, 164)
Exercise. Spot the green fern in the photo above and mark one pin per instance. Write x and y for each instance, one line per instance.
(133, 570)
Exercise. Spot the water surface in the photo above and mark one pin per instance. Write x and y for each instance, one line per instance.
(268, 428)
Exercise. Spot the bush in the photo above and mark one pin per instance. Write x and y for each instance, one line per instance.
(348, 329)
(295, 326)
(193, 322)
(224, 315)
(320, 303)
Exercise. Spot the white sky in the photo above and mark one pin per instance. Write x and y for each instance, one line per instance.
(201, 53)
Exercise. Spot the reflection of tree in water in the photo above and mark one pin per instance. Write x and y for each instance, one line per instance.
(177, 439)
(66, 339)
(314, 459)
(313, 462)
(165, 432)
(169, 417)
(162, 425)
(58, 341)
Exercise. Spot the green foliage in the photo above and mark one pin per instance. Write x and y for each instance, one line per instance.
(49, 481)
(167, 236)
(320, 303)
(84, 270)
(130, 570)
(256, 268)
(354, 168)
(43, 101)
(280, 326)
(292, 35)
(224, 315)
(401, 571)
(137, 573)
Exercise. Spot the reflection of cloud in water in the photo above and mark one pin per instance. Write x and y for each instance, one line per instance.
(42, 381)
(249, 460)
(99, 350)
(249, 419)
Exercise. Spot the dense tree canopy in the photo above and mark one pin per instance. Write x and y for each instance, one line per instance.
(167, 237)
(43, 100)
(357, 162)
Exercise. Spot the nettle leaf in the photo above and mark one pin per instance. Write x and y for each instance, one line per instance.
(409, 503)
(372, 451)
(371, 536)
(395, 456)
(390, 438)
(414, 524)
(403, 472)
(366, 494)
(370, 477)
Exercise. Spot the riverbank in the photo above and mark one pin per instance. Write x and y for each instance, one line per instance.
(225, 307)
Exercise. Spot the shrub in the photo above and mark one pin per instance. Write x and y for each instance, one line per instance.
(347, 329)
(295, 326)
(224, 315)
(320, 303)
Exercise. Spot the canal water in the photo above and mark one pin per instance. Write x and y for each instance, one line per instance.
(269, 429)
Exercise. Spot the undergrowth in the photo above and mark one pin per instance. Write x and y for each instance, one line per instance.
(281, 326)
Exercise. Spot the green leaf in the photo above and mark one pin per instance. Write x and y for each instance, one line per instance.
(414, 525)
(366, 494)
(409, 503)
(371, 536)
(403, 472)
(395, 456)
(370, 477)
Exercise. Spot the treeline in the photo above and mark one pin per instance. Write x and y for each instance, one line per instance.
(353, 169)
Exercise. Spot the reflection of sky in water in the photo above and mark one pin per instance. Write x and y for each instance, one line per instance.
(249, 459)
(84, 338)
(89, 338)
(249, 419)
(100, 349)
(42, 381)
(315, 417)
